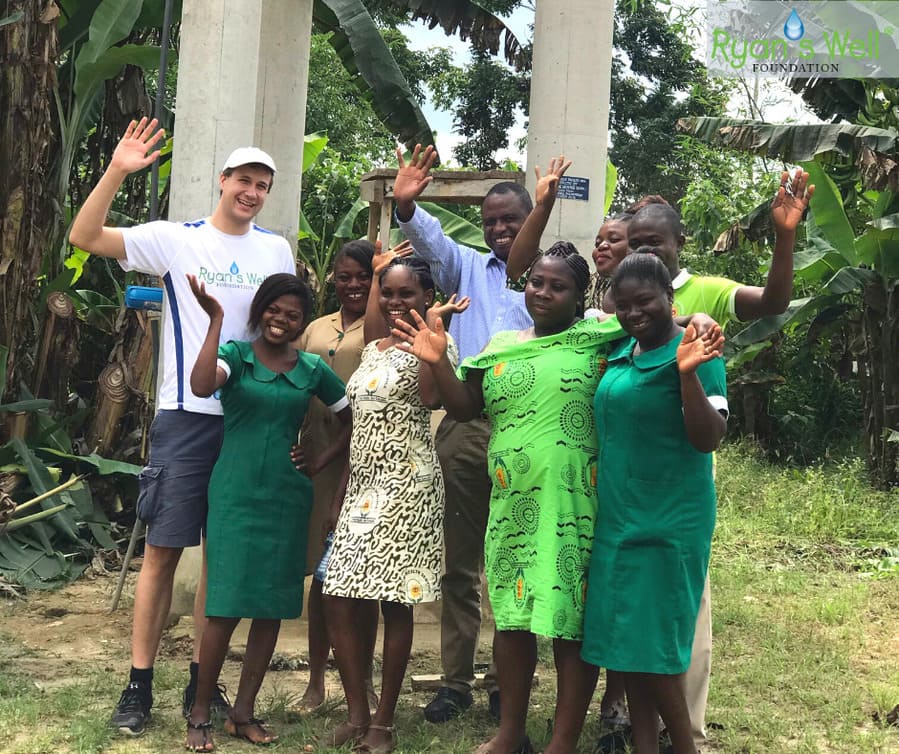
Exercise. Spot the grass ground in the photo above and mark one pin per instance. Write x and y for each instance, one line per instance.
(805, 584)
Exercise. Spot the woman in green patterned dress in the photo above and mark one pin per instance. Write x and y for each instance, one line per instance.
(537, 388)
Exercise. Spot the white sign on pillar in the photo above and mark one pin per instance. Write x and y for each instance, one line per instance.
(569, 111)
(242, 75)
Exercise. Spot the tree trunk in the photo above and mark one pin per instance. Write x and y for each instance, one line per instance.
(28, 218)
(880, 380)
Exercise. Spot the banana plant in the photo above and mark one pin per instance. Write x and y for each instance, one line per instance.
(850, 262)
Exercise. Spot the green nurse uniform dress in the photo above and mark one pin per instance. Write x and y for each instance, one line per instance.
(538, 396)
(656, 515)
(259, 503)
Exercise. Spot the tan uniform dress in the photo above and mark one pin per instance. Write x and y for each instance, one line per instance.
(342, 351)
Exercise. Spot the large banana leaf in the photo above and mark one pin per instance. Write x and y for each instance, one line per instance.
(96, 60)
(365, 55)
(830, 216)
(791, 143)
(470, 21)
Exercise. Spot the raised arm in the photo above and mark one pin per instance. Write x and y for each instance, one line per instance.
(131, 154)
(752, 302)
(463, 401)
(526, 246)
(427, 383)
(206, 377)
(704, 424)
(412, 179)
(374, 326)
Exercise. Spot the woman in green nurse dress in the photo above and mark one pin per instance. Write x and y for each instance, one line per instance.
(259, 502)
(660, 412)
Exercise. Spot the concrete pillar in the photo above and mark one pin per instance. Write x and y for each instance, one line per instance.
(242, 75)
(569, 110)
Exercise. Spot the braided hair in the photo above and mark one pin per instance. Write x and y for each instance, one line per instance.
(417, 266)
(577, 266)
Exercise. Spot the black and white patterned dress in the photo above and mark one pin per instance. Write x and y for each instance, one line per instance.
(388, 544)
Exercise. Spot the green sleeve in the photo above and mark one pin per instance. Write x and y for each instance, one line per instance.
(330, 388)
(230, 353)
(713, 378)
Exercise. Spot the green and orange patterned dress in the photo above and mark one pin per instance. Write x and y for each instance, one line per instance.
(538, 395)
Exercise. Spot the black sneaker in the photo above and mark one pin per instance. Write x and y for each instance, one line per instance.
(132, 713)
(448, 704)
(219, 705)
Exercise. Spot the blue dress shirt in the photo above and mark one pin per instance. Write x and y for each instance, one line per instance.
(466, 272)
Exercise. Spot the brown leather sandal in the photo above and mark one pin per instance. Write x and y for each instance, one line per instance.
(234, 729)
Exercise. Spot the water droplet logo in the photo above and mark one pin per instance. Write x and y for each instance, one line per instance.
(234, 268)
(793, 28)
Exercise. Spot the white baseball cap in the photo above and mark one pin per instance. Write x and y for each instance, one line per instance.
(247, 155)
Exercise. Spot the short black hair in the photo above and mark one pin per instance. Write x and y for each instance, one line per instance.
(272, 288)
(511, 187)
(360, 251)
(417, 267)
(644, 268)
(665, 212)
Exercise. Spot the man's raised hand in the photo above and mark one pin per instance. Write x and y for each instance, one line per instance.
(131, 153)
(412, 178)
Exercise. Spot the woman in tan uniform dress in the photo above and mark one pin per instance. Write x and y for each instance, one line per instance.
(338, 339)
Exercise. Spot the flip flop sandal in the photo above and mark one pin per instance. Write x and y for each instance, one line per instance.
(207, 739)
(233, 729)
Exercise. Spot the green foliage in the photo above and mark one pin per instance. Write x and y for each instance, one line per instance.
(45, 550)
(484, 97)
(655, 81)
(365, 55)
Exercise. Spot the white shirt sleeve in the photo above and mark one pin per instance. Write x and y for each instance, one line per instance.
(151, 247)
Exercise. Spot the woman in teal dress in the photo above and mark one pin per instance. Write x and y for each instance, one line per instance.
(660, 413)
(259, 503)
(536, 386)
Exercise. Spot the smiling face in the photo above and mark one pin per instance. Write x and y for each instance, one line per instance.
(400, 293)
(351, 285)
(644, 309)
(657, 232)
(610, 247)
(244, 192)
(502, 216)
(551, 296)
(282, 320)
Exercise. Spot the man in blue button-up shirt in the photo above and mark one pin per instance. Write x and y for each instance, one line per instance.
(463, 447)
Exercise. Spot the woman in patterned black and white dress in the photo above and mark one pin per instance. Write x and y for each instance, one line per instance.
(388, 540)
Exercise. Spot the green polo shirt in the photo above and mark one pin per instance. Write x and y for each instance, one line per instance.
(709, 295)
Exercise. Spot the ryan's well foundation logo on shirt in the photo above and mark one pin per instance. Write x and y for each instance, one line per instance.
(233, 277)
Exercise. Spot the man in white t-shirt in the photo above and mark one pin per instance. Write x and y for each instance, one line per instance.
(232, 256)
